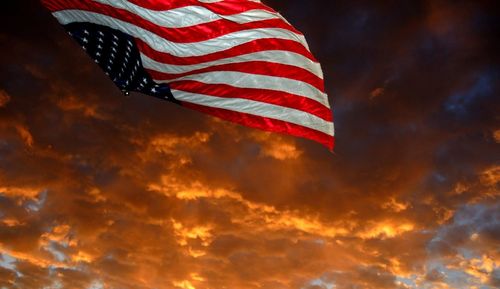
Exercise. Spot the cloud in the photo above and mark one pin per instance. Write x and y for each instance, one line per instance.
(276, 147)
(469, 244)
(4, 98)
(98, 190)
(71, 103)
(496, 136)
(25, 135)
(379, 91)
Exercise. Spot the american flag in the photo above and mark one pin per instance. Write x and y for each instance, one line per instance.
(238, 60)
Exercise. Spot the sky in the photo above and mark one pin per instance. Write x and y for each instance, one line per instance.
(102, 190)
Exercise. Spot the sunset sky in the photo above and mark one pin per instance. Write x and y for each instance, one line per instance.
(101, 190)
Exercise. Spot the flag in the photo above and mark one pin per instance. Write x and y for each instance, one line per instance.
(238, 60)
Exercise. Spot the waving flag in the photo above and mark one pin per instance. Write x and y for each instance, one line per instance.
(238, 60)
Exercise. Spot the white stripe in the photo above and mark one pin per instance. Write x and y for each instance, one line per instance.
(158, 43)
(273, 56)
(188, 16)
(248, 80)
(258, 108)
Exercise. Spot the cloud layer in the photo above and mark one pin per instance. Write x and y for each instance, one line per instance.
(99, 190)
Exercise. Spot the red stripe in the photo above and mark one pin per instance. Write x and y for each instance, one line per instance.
(223, 8)
(227, 7)
(252, 67)
(245, 48)
(262, 95)
(252, 46)
(267, 124)
(196, 33)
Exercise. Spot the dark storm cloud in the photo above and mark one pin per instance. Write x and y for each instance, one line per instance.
(101, 190)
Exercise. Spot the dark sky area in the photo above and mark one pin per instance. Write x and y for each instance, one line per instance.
(100, 190)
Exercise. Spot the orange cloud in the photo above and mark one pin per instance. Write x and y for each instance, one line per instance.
(276, 146)
(4, 98)
(73, 104)
(496, 135)
(102, 191)
(25, 135)
(386, 229)
(20, 192)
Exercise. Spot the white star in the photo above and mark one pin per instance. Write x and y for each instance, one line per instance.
(100, 39)
(145, 80)
(85, 32)
(97, 53)
(109, 67)
(112, 55)
(100, 33)
(115, 37)
(85, 40)
(153, 89)
(99, 46)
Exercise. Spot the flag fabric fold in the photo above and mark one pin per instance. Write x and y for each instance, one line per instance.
(238, 60)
